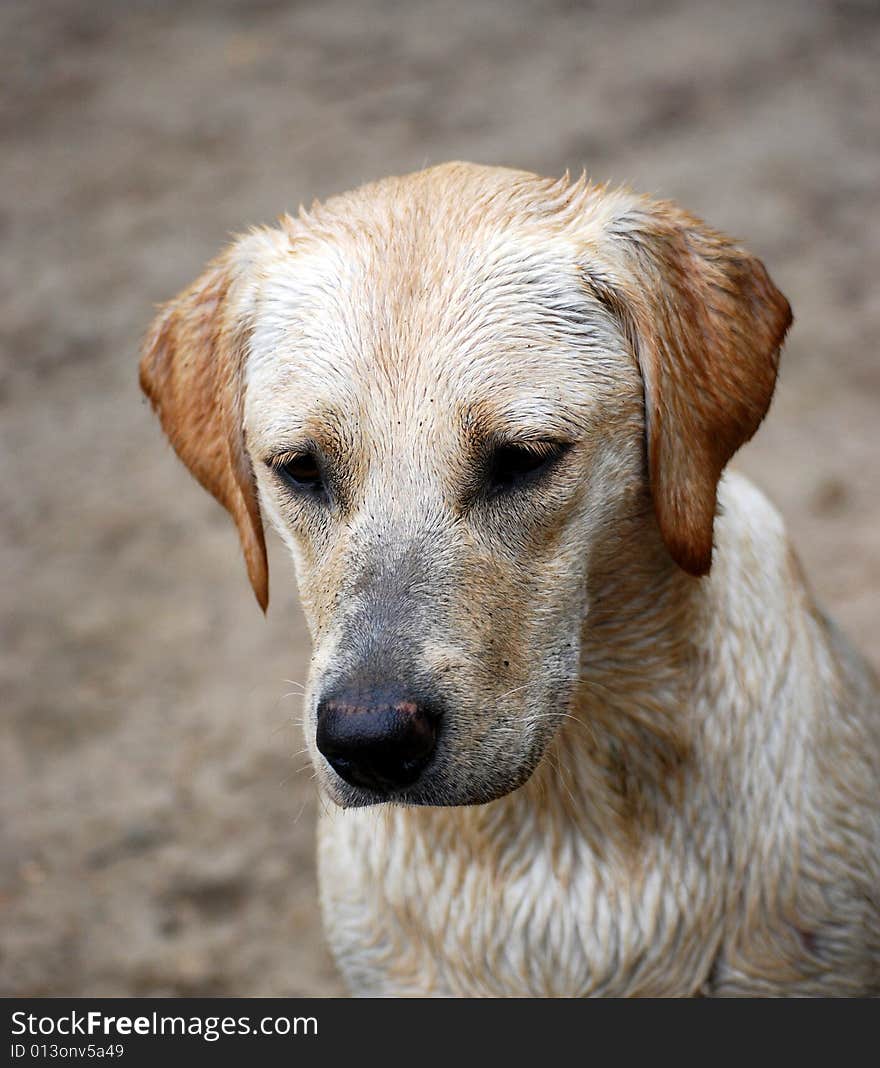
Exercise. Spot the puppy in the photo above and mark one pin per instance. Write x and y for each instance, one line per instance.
(579, 726)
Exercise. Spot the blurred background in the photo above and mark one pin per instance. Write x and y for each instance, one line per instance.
(157, 814)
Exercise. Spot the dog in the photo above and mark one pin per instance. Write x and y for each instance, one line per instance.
(579, 725)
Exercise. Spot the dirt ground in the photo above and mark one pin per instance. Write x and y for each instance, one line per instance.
(157, 820)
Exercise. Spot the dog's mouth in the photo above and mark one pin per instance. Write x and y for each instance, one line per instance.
(443, 782)
(427, 794)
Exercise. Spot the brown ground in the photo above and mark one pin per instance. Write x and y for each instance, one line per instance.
(157, 828)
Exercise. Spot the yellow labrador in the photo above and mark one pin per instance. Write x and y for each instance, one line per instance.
(579, 726)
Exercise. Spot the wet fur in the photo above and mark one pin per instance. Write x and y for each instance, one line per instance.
(648, 781)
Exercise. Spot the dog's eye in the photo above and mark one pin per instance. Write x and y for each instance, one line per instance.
(301, 471)
(513, 465)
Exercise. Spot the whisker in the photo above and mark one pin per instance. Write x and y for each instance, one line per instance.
(288, 723)
(302, 809)
(509, 693)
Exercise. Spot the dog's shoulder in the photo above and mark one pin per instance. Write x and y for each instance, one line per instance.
(760, 614)
(746, 517)
(756, 573)
(763, 611)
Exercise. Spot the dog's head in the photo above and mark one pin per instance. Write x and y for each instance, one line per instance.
(457, 396)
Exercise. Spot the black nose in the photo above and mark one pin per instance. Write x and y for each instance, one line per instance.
(377, 738)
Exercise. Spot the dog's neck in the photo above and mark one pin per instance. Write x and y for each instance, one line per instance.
(637, 641)
(619, 755)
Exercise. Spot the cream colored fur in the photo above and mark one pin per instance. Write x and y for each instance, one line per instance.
(758, 875)
(648, 782)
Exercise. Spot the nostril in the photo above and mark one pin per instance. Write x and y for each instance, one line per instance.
(380, 740)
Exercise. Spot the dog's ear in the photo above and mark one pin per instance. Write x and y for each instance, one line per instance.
(706, 323)
(191, 369)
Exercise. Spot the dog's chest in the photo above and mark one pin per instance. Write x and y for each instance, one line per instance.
(419, 904)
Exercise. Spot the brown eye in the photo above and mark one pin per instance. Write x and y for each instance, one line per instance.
(301, 472)
(511, 466)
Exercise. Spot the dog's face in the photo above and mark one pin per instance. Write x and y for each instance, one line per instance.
(436, 390)
(441, 424)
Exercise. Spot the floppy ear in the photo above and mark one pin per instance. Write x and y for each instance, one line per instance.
(706, 323)
(191, 369)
